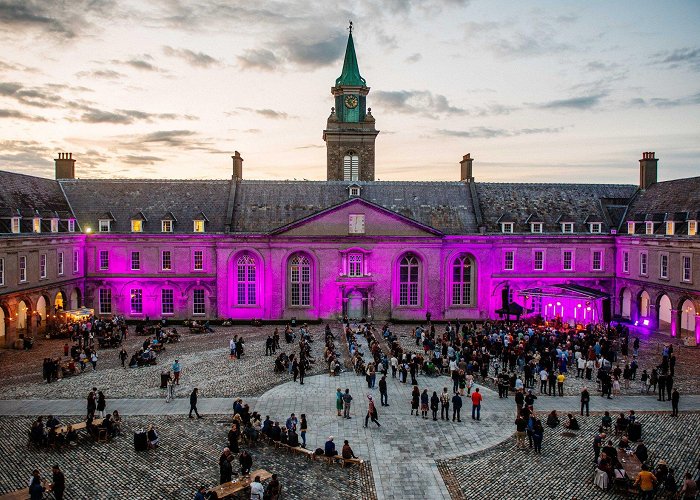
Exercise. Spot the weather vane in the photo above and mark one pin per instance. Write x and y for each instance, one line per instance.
(350, 28)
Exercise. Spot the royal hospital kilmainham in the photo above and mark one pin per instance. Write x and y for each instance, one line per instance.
(350, 245)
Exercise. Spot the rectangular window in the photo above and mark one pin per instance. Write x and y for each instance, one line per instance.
(198, 307)
(136, 301)
(104, 260)
(166, 262)
(506, 227)
(60, 263)
(198, 260)
(105, 301)
(596, 227)
(567, 227)
(630, 228)
(355, 265)
(670, 227)
(508, 258)
(71, 225)
(2, 272)
(22, 269)
(643, 263)
(692, 227)
(76, 261)
(649, 228)
(15, 225)
(42, 265)
(597, 264)
(568, 260)
(663, 266)
(537, 304)
(686, 271)
(536, 227)
(198, 226)
(539, 260)
(167, 303)
(625, 261)
(54, 225)
(104, 225)
(135, 261)
(136, 226)
(36, 225)
(166, 226)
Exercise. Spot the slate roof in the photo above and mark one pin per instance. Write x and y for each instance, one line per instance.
(552, 204)
(184, 200)
(267, 205)
(667, 200)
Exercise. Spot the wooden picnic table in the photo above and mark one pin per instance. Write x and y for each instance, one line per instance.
(22, 494)
(630, 463)
(76, 427)
(231, 488)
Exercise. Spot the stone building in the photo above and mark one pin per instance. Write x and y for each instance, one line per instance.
(275, 250)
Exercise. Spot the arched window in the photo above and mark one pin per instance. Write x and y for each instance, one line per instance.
(462, 281)
(299, 281)
(351, 167)
(409, 281)
(246, 281)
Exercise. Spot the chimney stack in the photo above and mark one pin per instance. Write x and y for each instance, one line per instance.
(237, 165)
(466, 167)
(647, 170)
(65, 166)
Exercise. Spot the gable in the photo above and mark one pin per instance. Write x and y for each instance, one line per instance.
(378, 221)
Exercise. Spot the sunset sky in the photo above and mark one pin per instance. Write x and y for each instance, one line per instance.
(542, 91)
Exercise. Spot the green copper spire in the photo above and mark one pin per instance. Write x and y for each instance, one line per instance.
(351, 72)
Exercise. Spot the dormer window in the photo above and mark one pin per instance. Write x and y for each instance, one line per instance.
(198, 226)
(36, 224)
(354, 191)
(567, 227)
(670, 228)
(596, 227)
(54, 225)
(104, 225)
(692, 227)
(166, 226)
(136, 226)
(506, 227)
(15, 225)
(649, 227)
(71, 225)
(536, 227)
(630, 228)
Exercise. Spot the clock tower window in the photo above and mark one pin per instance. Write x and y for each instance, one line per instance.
(351, 167)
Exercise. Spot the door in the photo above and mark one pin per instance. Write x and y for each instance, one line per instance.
(355, 309)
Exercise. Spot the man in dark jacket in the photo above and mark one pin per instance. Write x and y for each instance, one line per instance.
(675, 398)
(383, 391)
(329, 449)
(585, 400)
(456, 407)
(58, 485)
(225, 467)
(193, 403)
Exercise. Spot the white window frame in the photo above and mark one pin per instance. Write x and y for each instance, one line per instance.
(163, 253)
(102, 302)
(195, 254)
(507, 227)
(196, 303)
(670, 228)
(626, 261)
(664, 261)
(136, 299)
(567, 227)
(136, 226)
(23, 269)
(170, 301)
(686, 271)
(643, 263)
(354, 192)
(43, 262)
(506, 254)
(54, 225)
(16, 225)
(536, 227)
(198, 226)
(630, 227)
(166, 226)
(572, 260)
(2, 271)
(36, 224)
(104, 225)
(60, 263)
(534, 259)
(356, 263)
(137, 260)
(351, 166)
(692, 227)
(103, 263)
(601, 256)
(596, 227)
(71, 225)
(76, 261)
(649, 227)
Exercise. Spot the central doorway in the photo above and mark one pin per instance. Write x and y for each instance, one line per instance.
(355, 305)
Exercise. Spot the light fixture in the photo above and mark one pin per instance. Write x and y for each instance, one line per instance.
(645, 322)
(88, 229)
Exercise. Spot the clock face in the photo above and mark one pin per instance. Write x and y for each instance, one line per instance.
(357, 224)
(351, 102)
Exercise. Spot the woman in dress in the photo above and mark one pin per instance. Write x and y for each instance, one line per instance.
(415, 398)
(424, 402)
(339, 401)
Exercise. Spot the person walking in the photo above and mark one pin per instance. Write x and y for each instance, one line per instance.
(101, 404)
(371, 411)
(585, 401)
(456, 407)
(445, 405)
(193, 403)
(476, 404)
(176, 371)
(347, 401)
(339, 401)
(675, 398)
(383, 396)
(303, 427)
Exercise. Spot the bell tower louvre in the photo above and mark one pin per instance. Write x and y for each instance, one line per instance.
(350, 133)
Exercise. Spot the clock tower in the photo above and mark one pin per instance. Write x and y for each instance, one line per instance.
(350, 132)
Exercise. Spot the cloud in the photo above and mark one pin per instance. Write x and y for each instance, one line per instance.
(259, 59)
(265, 112)
(679, 58)
(123, 116)
(100, 73)
(11, 66)
(311, 146)
(583, 102)
(300, 51)
(525, 45)
(490, 133)
(198, 59)
(420, 102)
(663, 102)
(12, 113)
(140, 159)
(27, 154)
(414, 58)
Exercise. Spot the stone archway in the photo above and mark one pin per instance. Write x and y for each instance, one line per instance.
(665, 311)
(60, 302)
(42, 311)
(4, 318)
(75, 299)
(687, 316)
(644, 301)
(24, 312)
(355, 305)
(625, 303)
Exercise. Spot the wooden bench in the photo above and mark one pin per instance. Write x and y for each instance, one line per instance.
(22, 494)
(229, 489)
(302, 451)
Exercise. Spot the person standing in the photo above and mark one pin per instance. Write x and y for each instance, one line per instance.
(560, 383)
(675, 398)
(101, 404)
(193, 403)
(176, 371)
(456, 407)
(434, 405)
(585, 401)
(371, 411)
(93, 360)
(445, 405)
(58, 484)
(669, 386)
(122, 356)
(257, 492)
(225, 467)
(394, 366)
(476, 404)
(424, 404)
(339, 401)
(92, 402)
(415, 400)
(170, 391)
(537, 435)
(347, 401)
(302, 370)
(383, 396)
(303, 427)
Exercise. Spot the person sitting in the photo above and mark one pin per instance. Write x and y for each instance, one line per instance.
(606, 422)
(117, 423)
(641, 451)
(246, 462)
(661, 471)
(37, 433)
(624, 443)
(621, 424)
(347, 452)
(292, 438)
(276, 432)
(552, 419)
(284, 436)
(71, 435)
(52, 422)
(134, 361)
(571, 423)
(267, 426)
(153, 438)
(329, 448)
